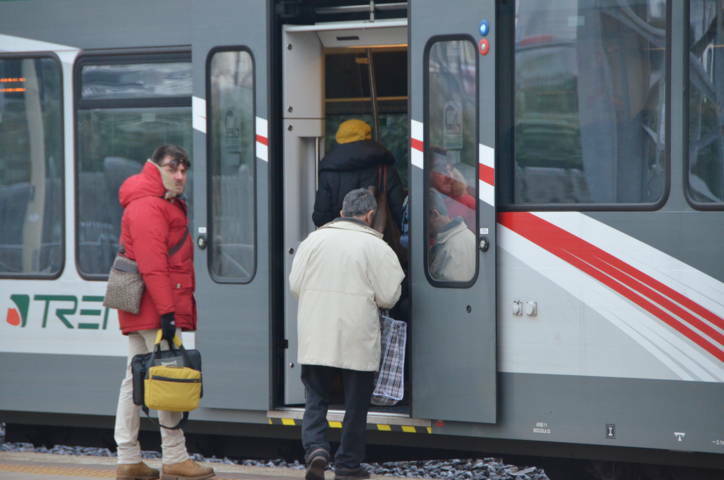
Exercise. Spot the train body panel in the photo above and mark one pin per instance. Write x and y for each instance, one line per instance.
(85, 24)
(651, 302)
(600, 325)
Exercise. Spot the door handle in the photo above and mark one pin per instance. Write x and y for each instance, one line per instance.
(484, 243)
(201, 241)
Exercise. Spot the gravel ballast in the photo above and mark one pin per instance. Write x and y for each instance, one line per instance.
(488, 468)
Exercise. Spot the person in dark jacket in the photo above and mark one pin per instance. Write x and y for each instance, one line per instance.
(154, 233)
(353, 163)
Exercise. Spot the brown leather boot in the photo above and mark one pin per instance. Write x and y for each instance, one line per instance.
(136, 471)
(186, 470)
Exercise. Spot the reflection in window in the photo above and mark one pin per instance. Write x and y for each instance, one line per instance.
(451, 163)
(114, 140)
(706, 94)
(232, 167)
(31, 167)
(138, 80)
(590, 102)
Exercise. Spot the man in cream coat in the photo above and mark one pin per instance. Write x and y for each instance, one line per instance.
(342, 274)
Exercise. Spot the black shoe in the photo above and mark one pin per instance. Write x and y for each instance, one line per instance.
(358, 474)
(317, 461)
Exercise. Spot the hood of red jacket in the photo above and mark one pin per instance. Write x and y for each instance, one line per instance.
(148, 183)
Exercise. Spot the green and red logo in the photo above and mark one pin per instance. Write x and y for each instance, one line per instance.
(18, 316)
(81, 312)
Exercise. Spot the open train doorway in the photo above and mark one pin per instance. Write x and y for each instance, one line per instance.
(332, 73)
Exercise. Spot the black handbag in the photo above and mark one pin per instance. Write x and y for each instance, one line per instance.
(175, 356)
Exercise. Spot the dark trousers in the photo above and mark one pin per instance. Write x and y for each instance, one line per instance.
(358, 387)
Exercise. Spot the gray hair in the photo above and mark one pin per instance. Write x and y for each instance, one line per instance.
(358, 202)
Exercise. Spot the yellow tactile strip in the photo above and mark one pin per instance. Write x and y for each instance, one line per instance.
(79, 467)
(297, 422)
(58, 470)
(105, 467)
(70, 471)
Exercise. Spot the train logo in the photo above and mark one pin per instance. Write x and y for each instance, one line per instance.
(84, 312)
(18, 316)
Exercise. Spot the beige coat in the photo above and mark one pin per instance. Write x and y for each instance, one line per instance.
(342, 273)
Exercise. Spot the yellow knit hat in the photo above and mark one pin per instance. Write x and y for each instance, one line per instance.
(353, 130)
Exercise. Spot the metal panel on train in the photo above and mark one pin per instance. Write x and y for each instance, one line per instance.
(452, 91)
(231, 212)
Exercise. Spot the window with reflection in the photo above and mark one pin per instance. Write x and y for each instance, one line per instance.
(136, 80)
(232, 160)
(706, 111)
(31, 167)
(451, 161)
(590, 102)
(128, 106)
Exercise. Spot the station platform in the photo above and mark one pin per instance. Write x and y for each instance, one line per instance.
(44, 466)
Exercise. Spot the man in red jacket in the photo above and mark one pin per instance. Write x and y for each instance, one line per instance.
(154, 232)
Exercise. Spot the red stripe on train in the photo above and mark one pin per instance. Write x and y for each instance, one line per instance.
(487, 174)
(262, 140)
(617, 275)
(417, 144)
(674, 295)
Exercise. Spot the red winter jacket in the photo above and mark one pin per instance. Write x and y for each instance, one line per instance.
(149, 228)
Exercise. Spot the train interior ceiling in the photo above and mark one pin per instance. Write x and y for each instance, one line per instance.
(332, 73)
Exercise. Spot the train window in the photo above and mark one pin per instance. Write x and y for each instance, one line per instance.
(138, 80)
(232, 160)
(706, 107)
(451, 162)
(590, 104)
(127, 106)
(31, 167)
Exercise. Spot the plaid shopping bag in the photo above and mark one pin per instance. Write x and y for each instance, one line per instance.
(390, 378)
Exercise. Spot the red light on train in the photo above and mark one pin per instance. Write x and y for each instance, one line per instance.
(484, 46)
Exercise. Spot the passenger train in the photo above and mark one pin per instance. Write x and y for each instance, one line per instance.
(578, 143)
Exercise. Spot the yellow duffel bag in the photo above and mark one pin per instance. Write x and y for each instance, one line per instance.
(168, 379)
(174, 389)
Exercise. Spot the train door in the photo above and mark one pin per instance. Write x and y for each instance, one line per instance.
(452, 107)
(231, 201)
(328, 78)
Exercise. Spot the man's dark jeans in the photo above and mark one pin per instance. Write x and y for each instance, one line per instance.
(358, 388)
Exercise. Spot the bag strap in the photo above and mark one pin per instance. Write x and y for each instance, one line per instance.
(180, 424)
(171, 251)
(159, 336)
(180, 244)
(382, 179)
(176, 343)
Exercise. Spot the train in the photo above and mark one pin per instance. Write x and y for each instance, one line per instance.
(579, 143)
